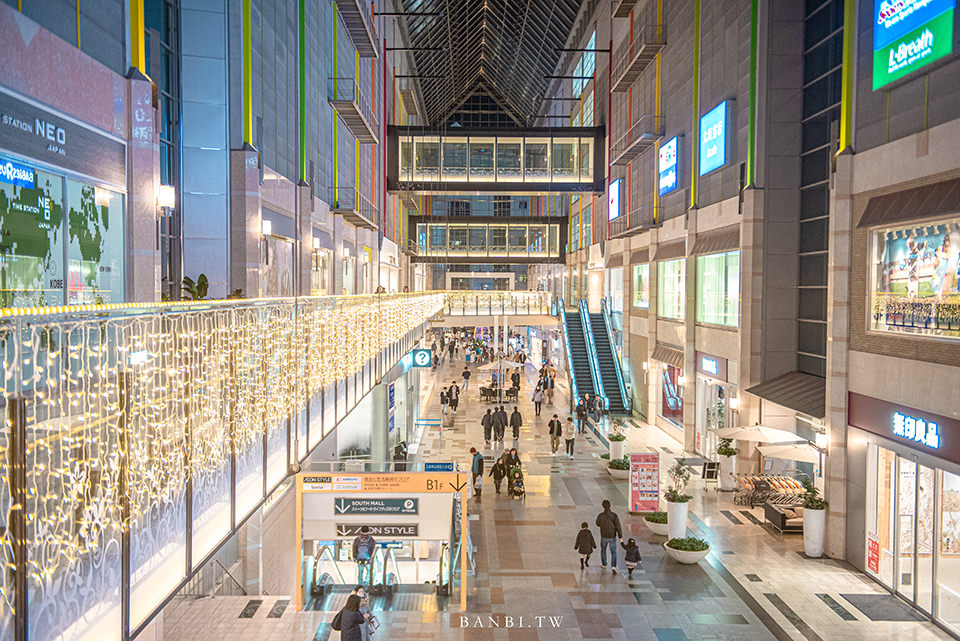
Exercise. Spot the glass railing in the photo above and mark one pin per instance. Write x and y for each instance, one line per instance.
(624, 397)
(472, 303)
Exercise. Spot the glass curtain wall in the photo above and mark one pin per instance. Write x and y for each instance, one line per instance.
(718, 289)
(671, 289)
(641, 286)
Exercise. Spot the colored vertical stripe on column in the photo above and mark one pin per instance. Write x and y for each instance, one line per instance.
(846, 76)
(302, 61)
(695, 130)
(657, 116)
(247, 76)
(752, 116)
(336, 122)
(78, 23)
(138, 54)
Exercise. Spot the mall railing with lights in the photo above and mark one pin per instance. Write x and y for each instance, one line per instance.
(139, 436)
(487, 303)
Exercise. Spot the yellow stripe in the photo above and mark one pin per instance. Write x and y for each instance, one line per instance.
(78, 23)
(846, 76)
(247, 76)
(138, 54)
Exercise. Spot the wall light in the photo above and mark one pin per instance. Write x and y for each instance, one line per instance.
(166, 197)
(820, 438)
(266, 227)
(316, 243)
(102, 197)
(734, 403)
(681, 380)
(646, 365)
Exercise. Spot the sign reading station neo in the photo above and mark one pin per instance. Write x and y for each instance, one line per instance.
(908, 35)
(667, 167)
(713, 139)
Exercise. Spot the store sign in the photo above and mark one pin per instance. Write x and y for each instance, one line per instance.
(644, 482)
(16, 174)
(410, 530)
(37, 133)
(915, 428)
(613, 200)
(357, 505)
(667, 167)
(908, 35)
(709, 365)
(422, 357)
(438, 467)
(712, 366)
(713, 139)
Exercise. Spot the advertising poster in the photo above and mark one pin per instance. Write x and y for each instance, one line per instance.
(909, 35)
(873, 553)
(644, 482)
(667, 167)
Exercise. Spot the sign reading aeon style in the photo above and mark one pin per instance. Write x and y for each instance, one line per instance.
(667, 167)
(908, 35)
(713, 139)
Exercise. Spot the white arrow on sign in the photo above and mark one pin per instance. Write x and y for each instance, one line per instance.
(341, 506)
(343, 531)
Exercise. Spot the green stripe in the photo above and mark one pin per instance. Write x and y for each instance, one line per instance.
(336, 123)
(247, 77)
(303, 92)
(752, 124)
(695, 151)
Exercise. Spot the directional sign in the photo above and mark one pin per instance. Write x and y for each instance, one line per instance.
(376, 506)
(438, 467)
(405, 483)
(407, 530)
(422, 357)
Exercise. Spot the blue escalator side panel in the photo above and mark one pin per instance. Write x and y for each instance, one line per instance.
(588, 329)
(608, 364)
(578, 356)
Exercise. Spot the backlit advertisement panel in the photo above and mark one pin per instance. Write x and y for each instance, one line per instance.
(667, 167)
(713, 139)
(908, 35)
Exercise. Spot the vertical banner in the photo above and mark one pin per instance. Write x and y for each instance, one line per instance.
(644, 482)
(873, 553)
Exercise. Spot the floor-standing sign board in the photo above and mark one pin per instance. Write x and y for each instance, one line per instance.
(644, 482)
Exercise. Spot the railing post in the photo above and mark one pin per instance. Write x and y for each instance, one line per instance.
(17, 462)
(123, 432)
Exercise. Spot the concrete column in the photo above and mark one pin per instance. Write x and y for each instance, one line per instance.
(652, 373)
(305, 258)
(751, 321)
(245, 221)
(143, 179)
(838, 355)
(690, 345)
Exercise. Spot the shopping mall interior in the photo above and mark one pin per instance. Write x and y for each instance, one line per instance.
(480, 320)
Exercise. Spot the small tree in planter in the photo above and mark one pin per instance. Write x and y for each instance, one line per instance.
(619, 468)
(728, 463)
(617, 438)
(679, 476)
(657, 522)
(814, 520)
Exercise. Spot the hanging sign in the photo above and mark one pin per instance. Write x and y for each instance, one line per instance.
(644, 482)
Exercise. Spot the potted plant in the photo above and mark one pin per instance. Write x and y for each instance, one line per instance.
(688, 550)
(657, 522)
(619, 468)
(814, 520)
(679, 476)
(728, 464)
(616, 438)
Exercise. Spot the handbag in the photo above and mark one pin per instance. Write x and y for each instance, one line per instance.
(337, 621)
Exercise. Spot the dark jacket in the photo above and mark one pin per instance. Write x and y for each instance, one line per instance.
(556, 427)
(501, 417)
(515, 379)
(609, 524)
(498, 470)
(632, 553)
(444, 399)
(488, 420)
(372, 545)
(581, 410)
(585, 542)
(466, 374)
(515, 419)
(511, 461)
(350, 622)
(476, 466)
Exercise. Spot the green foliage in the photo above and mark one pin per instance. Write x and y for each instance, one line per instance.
(195, 290)
(679, 476)
(616, 438)
(605, 455)
(811, 497)
(725, 448)
(656, 517)
(688, 544)
(619, 464)
(237, 294)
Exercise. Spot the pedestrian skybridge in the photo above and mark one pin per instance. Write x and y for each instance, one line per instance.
(513, 161)
(490, 239)
(138, 437)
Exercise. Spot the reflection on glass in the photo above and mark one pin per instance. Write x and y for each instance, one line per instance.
(536, 160)
(518, 239)
(427, 159)
(454, 158)
(906, 508)
(406, 158)
(498, 240)
(509, 157)
(458, 239)
(554, 239)
(422, 235)
(538, 240)
(438, 239)
(564, 158)
(481, 159)
(478, 239)
(95, 252)
(586, 159)
(948, 562)
(925, 538)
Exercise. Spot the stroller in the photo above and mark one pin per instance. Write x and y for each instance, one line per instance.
(516, 483)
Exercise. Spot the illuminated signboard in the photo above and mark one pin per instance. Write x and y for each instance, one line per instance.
(917, 430)
(17, 174)
(908, 35)
(713, 139)
(709, 365)
(613, 200)
(667, 167)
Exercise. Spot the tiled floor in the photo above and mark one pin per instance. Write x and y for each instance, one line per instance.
(753, 585)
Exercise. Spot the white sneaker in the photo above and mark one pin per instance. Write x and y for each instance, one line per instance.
(614, 570)
(603, 567)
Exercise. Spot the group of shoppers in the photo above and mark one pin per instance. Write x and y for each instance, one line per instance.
(495, 423)
(507, 466)
(557, 430)
(610, 535)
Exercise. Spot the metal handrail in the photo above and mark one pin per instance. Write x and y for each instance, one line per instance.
(616, 360)
(348, 89)
(643, 35)
(648, 125)
(640, 218)
(226, 573)
(351, 198)
(592, 353)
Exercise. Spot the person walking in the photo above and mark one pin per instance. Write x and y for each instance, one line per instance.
(550, 386)
(571, 436)
(516, 420)
(476, 468)
(631, 556)
(515, 378)
(367, 627)
(363, 547)
(466, 377)
(454, 394)
(500, 423)
(487, 422)
(585, 544)
(610, 533)
(537, 399)
(499, 472)
(444, 403)
(349, 621)
(511, 459)
(582, 416)
(555, 429)
(593, 407)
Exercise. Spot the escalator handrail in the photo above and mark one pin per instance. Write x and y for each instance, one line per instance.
(592, 354)
(608, 324)
(566, 346)
(440, 573)
(373, 559)
(391, 557)
(333, 560)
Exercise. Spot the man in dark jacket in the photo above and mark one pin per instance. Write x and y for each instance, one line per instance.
(500, 423)
(515, 378)
(487, 422)
(515, 422)
(363, 547)
(476, 470)
(610, 533)
(555, 428)
(582, 417)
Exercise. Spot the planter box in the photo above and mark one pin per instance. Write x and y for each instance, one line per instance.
(616, 449)
(728, 467)
(677, 519)
(814, 526)
(619, 474)
(684, 556)
(660, 529)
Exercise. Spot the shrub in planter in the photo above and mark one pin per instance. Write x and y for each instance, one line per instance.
(725, 448)
(814, 520)
(605, 455)
(688, 544)
(619, 463)
(656, 517)
(656, 522)
(616, 437)
(679, 476)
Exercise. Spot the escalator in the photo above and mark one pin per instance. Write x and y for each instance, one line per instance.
(607, 364)
(578, 355)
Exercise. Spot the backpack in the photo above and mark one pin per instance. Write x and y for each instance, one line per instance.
(363, 550)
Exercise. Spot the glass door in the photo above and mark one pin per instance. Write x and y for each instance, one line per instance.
(948, 559)
(923, 563)
(906, 515)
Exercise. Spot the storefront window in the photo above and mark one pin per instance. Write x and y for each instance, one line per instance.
(671, 398)
(948, 576)
(96, 246)
(712, 414)
(916, 279)
(318, 273)
(671, 289)
(641, 286)
(718, 289)
(615, 289)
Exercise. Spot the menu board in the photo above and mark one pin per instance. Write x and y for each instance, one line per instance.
(644, 482)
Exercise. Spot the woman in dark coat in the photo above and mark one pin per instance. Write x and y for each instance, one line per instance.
(351, 620)
(585, 544)
(498, 471)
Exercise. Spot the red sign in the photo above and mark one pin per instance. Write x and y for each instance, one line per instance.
(873, 553)
(644, 482)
